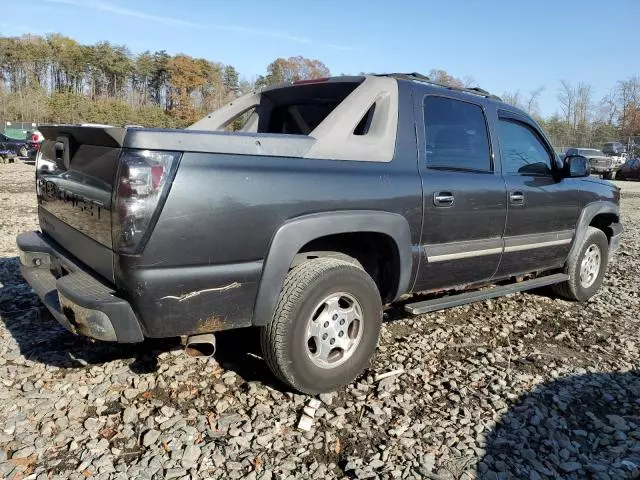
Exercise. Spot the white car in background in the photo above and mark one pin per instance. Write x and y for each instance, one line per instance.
(619, 159)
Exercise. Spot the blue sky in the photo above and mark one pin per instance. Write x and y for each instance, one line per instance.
(515, 45)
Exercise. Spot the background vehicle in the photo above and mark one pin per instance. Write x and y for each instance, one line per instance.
(630, 170)
(336, 197)
(15, 146)
(613, 148)
(599, 162)
(7, 156)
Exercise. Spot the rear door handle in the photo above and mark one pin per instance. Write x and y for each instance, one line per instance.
(516, 198)
(443, 199)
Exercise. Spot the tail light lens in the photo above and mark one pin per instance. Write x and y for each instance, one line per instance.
(143, 181)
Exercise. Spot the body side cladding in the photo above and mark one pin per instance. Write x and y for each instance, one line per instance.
(296, 233)
(588, 213)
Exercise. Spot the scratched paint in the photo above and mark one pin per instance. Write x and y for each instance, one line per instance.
(187, 296)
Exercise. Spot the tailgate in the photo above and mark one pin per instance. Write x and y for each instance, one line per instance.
(76, 172)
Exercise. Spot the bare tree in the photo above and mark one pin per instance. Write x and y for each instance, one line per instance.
(469, 82)
(583, 104)
(531, 103)
(608, 107)
(567, 99)
(512, 98)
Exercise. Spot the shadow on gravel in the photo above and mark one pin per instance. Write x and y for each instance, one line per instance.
(239, 350)
(41, 339)
(583, 426)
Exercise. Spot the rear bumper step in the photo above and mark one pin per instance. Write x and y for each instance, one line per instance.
(479, 295)
(78, 301)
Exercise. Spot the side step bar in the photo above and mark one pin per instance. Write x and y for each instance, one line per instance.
(479, 295)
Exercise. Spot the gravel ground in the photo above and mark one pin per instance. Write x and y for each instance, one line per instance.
(526, 386)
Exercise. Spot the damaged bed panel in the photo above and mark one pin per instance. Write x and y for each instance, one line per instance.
(190, 300)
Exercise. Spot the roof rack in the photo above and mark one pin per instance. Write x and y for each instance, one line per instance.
(419, 77)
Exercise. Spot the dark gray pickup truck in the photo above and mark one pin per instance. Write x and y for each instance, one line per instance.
(336, 197)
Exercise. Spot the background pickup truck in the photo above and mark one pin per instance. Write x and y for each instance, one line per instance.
(599, 163)
(335, 198)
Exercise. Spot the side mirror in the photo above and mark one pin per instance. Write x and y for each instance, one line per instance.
(576, 166)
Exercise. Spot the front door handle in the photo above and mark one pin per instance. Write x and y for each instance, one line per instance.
(516, 198)
(443, 199)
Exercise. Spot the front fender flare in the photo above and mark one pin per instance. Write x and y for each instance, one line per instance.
(297, 232)
(587, 215)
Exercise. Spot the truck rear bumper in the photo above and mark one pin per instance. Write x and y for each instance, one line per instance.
(79, 301)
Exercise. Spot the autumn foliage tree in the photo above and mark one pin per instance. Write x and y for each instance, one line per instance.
(292, 69)
(53, 78)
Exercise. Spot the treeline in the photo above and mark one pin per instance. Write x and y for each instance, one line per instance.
(582, 120)
(56, 79)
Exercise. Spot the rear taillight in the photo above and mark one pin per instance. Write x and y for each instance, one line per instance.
(143, 181)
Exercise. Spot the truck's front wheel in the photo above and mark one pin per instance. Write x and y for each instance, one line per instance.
(326, 325)
(586, 267)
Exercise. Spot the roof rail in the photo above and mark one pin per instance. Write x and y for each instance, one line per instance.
(419, 77)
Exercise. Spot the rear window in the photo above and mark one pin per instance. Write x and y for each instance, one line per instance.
(456, 135)
(299, 109)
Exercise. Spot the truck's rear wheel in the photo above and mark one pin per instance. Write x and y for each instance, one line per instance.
(607, 175)
(325, 327)
(586, 268)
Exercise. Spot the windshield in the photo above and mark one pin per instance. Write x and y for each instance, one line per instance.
(591, 151)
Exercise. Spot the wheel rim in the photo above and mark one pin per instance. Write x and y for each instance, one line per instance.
(334, 330)
(23, 151)
(590, 266)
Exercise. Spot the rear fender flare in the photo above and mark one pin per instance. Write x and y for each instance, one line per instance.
(297, 232)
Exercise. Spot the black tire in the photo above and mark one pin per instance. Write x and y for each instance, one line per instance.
(607, 175)
(283, 340)
(620, 176)
(573, 289)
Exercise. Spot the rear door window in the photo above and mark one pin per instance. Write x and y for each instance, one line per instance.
(456, 135)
